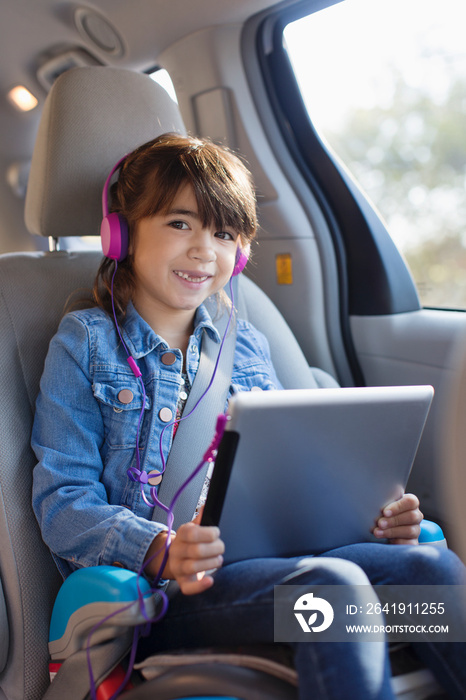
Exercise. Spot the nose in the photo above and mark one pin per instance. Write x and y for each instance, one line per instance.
(202, 248)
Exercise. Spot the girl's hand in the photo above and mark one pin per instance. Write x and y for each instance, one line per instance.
(400, 521)
(194, 550)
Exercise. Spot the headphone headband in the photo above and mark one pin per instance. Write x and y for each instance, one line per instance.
(107, 185)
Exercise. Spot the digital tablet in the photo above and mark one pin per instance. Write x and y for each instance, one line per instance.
(306, 471)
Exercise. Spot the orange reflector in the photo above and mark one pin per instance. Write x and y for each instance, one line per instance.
(284, 268)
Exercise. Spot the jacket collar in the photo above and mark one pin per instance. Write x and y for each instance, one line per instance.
(141, 339)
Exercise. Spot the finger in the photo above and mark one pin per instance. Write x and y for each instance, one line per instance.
(408, 532)
(407, 502)
(193, 585)
(202, 550)
(190, 567)
(409, 517)
(398, 540)
(182, 566)
(191, 532)
(197, 550)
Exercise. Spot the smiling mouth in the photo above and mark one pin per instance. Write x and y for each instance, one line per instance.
(192, 278)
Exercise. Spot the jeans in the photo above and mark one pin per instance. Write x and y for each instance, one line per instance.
(238, 610)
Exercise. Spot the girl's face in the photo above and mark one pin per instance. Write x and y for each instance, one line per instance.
(177, 262)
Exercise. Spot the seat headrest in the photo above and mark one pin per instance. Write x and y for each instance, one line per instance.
(91, 118)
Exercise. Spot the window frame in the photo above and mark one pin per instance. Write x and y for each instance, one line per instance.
(373, 277)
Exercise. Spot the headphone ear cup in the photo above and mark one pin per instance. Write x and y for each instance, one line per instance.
(242, 257)
(114, 236)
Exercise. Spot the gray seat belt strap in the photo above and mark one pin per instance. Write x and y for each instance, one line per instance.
(194, 434)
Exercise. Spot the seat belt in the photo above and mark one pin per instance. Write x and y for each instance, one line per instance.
(193, 435)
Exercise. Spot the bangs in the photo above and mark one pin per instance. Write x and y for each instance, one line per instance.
(225, 204)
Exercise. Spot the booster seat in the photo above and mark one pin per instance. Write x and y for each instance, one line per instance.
(85, 128)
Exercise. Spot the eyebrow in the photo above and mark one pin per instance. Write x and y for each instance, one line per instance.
(183, 212)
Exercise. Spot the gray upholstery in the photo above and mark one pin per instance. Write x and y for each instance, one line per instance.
(91, 118)
(292, 367)
(33, 292)
(4, 630)
(451, 438)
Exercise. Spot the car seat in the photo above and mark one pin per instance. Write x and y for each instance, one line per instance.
(91, 117)
(86, 126)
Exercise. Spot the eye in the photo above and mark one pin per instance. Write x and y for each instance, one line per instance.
(226, 235)
(179, 225)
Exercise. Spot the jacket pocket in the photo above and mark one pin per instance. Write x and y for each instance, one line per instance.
(121, 403)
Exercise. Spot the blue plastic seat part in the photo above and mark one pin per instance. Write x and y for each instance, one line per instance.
(94, 584)
(431, 533)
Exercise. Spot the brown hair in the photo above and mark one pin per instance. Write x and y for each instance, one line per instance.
(149, 180)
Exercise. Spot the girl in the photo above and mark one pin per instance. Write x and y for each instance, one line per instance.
(190, 207)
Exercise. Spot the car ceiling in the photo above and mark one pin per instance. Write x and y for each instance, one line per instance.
(32, 32)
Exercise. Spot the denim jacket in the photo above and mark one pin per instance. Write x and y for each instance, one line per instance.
(84, 434)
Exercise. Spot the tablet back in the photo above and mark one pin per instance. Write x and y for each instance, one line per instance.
(305, 471)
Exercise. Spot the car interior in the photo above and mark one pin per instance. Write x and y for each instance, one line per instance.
(326, 284)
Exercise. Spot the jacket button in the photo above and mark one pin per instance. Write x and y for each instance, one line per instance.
(125, 396)
(165, 415)
(169, 358)
(155, 477)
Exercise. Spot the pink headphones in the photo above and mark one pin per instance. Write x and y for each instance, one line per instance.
(114, 231)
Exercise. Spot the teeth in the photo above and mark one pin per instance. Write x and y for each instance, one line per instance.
(185, 276)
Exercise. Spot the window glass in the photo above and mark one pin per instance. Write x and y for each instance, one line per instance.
(162, 77)
(384, 82)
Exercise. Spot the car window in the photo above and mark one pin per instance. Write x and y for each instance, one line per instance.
(384, 84)
(162, 77)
